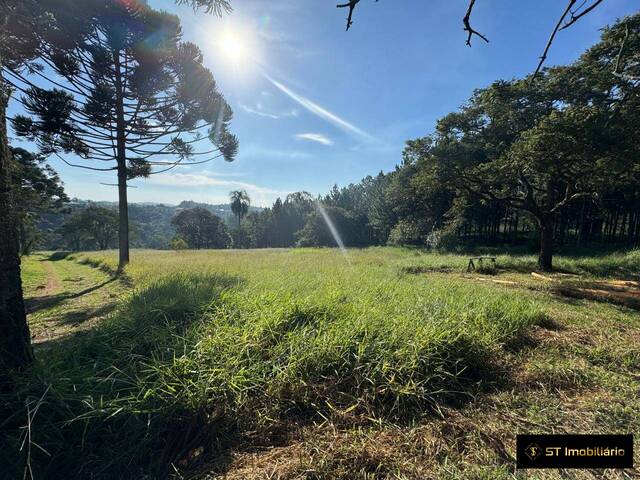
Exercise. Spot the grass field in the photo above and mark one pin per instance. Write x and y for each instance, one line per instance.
(303, 364)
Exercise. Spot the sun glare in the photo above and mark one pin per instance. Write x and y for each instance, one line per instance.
(233, 47)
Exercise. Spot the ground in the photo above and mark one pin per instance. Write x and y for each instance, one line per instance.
(65, 297)
(309, 365)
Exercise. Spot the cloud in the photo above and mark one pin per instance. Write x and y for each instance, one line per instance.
(284, 42)
(315, 137)
(319, 111)
(262, 112)
(192, 180)
(256, 151)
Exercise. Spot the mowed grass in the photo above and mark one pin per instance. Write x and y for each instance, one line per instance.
(208, 347)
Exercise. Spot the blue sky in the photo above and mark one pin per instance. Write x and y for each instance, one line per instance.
(315, 105)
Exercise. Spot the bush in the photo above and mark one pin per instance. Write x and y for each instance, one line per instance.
(179, 244)
(444, 240)
(407, 232)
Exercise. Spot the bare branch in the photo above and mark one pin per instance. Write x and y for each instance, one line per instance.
(84, 166)
(116, 185)
(552, 37)
(352, 5)
(467, 25)
(575, 18)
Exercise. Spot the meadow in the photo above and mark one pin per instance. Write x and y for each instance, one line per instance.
(306, 363)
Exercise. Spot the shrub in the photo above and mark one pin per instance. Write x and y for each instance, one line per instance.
(444, 240)
(179, 244)
(407, 232)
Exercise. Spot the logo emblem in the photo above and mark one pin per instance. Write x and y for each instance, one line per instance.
(533, 451)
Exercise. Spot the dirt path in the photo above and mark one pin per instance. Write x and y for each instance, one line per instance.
(53, 280)
(74, 299)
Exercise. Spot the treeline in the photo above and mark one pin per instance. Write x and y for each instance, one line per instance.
(553, 158)
(72, 224)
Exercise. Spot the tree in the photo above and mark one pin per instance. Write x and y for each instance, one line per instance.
(317, 232)
(100, 224)
(240, 203)
(127, 91)
(541, 144)
(178, 244)
(23, 22)
(17, 49)
(93, 227)
(201, 228)
(37, 189)
(73, 232)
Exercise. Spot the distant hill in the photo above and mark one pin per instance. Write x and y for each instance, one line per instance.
(150, 222)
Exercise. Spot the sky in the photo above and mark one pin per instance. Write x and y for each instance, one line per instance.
(316, 106)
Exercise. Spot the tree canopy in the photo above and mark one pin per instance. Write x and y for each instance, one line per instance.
(201, 229)
(126, 94)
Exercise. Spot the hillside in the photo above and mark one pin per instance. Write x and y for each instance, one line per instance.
(150, 222)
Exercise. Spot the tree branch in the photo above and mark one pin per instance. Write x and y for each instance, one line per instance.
(543, 57)
(352, 5)
(467, 25)
(575, 18)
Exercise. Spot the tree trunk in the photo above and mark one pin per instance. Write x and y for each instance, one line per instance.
(545, 259)
(121, 152)
(15, 341)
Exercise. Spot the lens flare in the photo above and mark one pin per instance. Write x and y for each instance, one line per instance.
(334, 232)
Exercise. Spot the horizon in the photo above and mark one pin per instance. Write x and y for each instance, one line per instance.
(315, 106)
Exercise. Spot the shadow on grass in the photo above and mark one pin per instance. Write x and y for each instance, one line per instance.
(140, 396)
(36, 304)
(78, 317)
(57, 256)
(94, 403)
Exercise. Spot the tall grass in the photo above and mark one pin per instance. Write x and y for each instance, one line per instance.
(212, 344)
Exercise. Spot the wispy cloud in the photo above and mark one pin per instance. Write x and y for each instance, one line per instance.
(280, 40)
(262, 112)
(192, 180)
(319, 111)
(257, 151)
(315, 137)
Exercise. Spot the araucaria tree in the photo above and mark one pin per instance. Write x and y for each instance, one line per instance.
(240, 203)
(117, 86)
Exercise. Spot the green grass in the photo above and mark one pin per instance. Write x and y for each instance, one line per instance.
(208, 346)
(34, 276)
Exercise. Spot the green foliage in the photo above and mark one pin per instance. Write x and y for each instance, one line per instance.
(240, 203)
(317, 232)
(179, 244)
(201, 229)
(407, 232)
(277, 226)
(93, 227)
(37, 189)
(445, 240)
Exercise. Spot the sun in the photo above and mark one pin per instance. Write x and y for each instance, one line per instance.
(233, 47)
